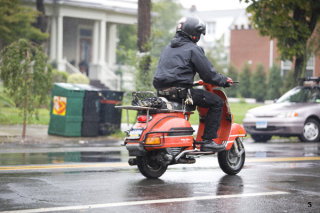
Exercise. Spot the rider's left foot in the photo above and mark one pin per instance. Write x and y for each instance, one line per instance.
(211, 146)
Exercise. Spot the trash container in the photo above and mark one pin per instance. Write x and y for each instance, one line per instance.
(66, 110)
(110, 117)
(91, 110)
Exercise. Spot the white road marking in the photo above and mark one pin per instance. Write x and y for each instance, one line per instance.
(145, 202)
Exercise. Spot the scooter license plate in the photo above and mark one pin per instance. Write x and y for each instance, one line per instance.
(135, 134)
(261, 124)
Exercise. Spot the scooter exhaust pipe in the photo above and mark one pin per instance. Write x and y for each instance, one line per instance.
(186, 160)
(132, 161)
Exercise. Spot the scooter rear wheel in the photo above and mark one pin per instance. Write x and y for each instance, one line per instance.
(149, 166)
(229, 161)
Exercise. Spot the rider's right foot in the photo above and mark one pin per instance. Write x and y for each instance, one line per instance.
(211, 146)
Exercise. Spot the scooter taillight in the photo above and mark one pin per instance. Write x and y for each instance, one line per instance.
(143, 118)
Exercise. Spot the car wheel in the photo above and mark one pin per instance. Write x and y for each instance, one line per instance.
(261, 138)
(311, 131)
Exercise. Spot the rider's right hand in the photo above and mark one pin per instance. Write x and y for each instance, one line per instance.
(229, 82)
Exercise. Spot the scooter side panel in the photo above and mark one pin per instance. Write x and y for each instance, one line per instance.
(236, 131)
(164, 122)
(178, 139)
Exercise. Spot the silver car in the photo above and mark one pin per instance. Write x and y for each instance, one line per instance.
(296, 113)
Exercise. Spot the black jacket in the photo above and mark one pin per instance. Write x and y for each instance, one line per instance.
(180, 61)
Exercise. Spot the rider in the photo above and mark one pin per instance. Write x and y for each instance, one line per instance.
(180, 60)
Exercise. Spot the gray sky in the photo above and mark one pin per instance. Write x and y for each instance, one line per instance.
(213, 4)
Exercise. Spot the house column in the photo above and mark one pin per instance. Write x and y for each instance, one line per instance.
(61, 65)
(53, 39)
(102, 45)
(95, 50)
(112, 44)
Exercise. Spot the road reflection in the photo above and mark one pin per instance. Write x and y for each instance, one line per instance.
(230, 184)
(58, 157)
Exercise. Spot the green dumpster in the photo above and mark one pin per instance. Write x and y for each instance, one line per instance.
(66, 110)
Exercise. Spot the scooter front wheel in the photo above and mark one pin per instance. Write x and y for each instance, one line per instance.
(149, 166)
(231, 161)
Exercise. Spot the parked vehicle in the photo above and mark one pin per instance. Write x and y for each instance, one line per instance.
(164, 136)
(296, 113)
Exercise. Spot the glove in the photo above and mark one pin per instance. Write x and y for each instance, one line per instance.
(229, 82)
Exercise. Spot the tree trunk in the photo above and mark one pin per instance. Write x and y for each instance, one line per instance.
(25, 101)
(298, 67)
(144, 8)
(25, 104)
(144, 78)
(41, 19)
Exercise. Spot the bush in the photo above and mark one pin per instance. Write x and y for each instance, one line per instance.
(289, 82)
(78, 78)
(274, 83)
(59, 76)
(258, 83)
(244, 78)
(233, 74)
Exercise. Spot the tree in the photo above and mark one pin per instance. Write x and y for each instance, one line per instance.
(291, 22)
(258, 83)
(289, 82)
(164, 20)
(127, 45)
(143, 78)
(218, 55)
(244, 78)
(41, 21)
(16, 22)
(163, 28)
(274, 83)
(233, 74)
(26, 77)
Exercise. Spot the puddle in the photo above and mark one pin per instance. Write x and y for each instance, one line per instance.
(303, 152)
(58, 157)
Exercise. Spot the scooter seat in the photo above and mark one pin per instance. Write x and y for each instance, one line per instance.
(173, 105)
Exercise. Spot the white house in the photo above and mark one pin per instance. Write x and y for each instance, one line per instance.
(85, 32)
(218, 23)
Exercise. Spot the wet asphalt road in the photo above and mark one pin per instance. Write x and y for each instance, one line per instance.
(277, 177)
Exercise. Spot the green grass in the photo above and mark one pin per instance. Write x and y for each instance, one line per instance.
(13, 116)
(237, 109)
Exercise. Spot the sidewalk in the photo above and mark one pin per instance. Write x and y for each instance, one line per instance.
(38, 134)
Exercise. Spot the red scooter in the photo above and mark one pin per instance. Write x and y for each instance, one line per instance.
(164, 136)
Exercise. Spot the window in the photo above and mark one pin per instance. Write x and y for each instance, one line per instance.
(301, 95)
(85, 32)
(285, 67)
(211, 28)
(310, 67)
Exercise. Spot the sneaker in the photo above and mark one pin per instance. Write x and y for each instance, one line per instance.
(211, 146)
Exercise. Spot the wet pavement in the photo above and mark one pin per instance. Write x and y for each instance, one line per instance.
(92, 175)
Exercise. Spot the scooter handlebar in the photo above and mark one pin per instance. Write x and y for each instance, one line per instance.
(201, 82)
(198, 83)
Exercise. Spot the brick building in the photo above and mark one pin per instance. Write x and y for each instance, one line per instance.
(247, 46)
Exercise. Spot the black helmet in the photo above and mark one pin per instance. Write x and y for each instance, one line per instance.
(192, 27)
